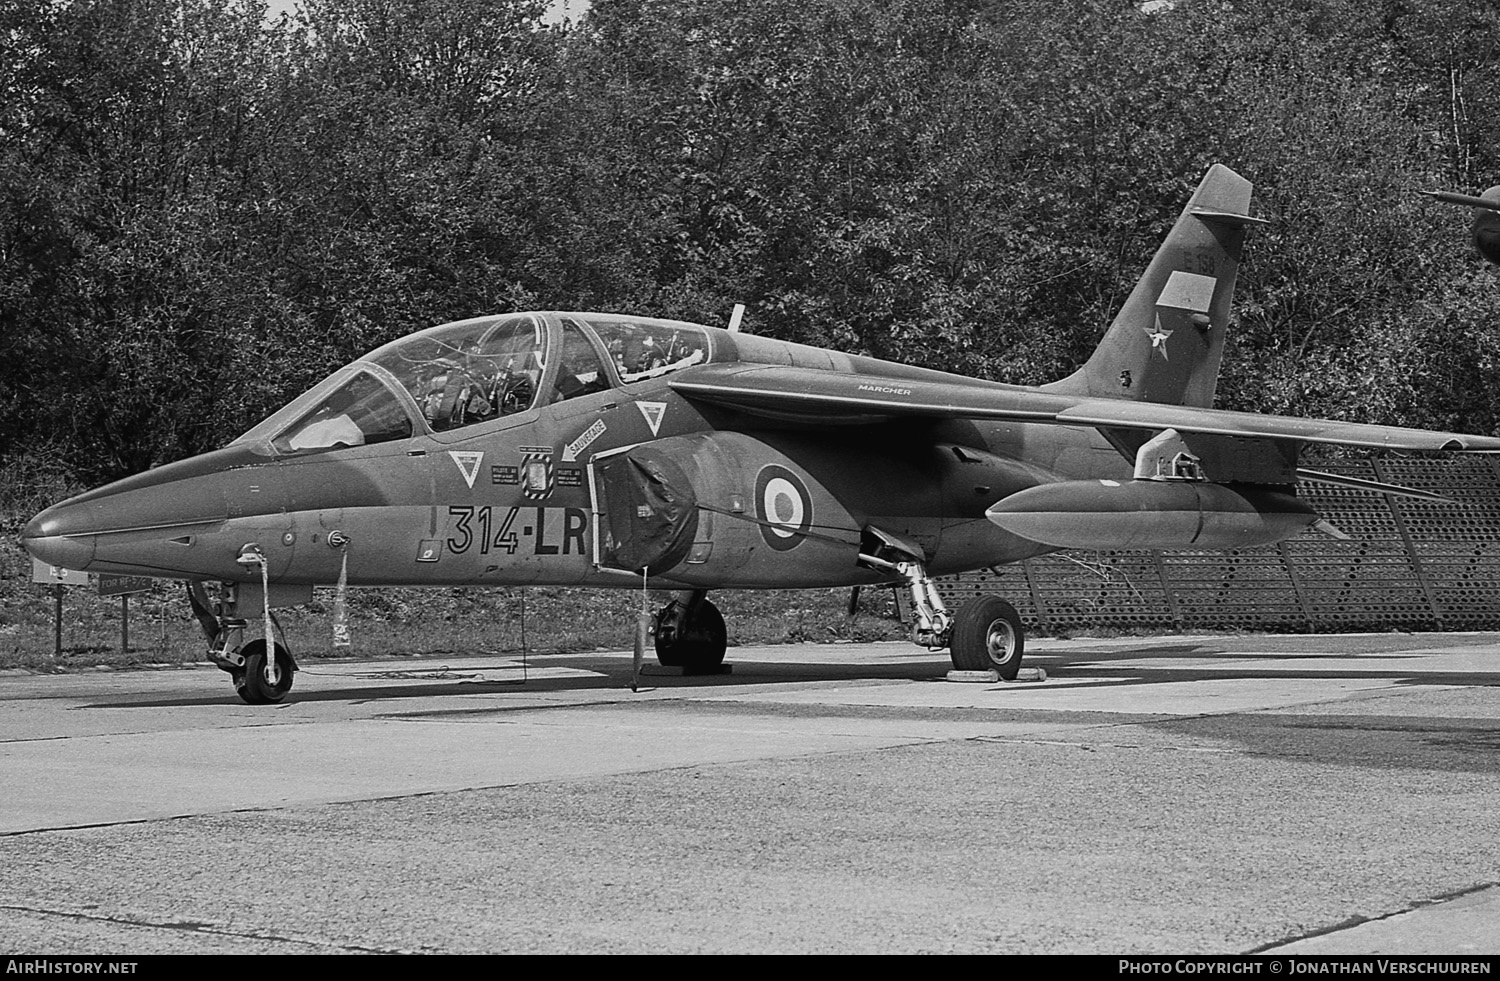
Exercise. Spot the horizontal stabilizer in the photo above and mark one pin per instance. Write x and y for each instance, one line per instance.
(1464, 200)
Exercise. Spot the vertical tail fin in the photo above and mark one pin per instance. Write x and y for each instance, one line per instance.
(1166, 342)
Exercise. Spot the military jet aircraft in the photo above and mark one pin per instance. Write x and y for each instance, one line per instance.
(1485, 231)
(607, 450)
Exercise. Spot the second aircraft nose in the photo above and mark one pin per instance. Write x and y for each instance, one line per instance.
(61, 536)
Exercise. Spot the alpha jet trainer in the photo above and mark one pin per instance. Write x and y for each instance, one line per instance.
(604, 450)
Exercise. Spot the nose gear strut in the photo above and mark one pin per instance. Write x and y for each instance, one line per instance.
(261, 669)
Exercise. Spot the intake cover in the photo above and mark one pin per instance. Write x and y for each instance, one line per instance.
(650, 511)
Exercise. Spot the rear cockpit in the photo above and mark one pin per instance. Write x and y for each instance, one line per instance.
(640, 349)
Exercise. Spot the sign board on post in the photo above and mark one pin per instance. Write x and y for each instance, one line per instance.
(56, 575)
(120, 585)
(123, 586)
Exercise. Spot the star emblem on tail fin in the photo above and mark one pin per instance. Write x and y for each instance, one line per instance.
(1158, 340)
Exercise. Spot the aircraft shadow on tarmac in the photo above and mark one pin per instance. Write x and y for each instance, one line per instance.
(434, 679)
(1413, 743)
(1377, 742)
(606, 674)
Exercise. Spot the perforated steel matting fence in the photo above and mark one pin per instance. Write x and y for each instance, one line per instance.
(1409, 563)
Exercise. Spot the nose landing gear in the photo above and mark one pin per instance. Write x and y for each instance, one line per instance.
(258, 679)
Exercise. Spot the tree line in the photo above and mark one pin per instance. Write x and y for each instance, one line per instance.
(203, 210)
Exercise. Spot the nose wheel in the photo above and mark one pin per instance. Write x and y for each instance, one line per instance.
(258, 679)
(264, 681)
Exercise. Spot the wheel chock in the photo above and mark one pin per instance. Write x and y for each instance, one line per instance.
(992, 676)
(662, 671)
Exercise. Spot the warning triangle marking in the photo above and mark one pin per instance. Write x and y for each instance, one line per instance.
(653, 413)
(468, 463)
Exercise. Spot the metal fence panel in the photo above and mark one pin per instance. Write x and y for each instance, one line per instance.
(1409, 564)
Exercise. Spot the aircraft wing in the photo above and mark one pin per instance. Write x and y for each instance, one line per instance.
(837, 398)
(1251, 425)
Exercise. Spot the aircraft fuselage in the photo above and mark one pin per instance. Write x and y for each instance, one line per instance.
(516, 499)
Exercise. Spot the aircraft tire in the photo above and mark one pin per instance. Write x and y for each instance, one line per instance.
(252, 685)
(696, 645)
(987, 636)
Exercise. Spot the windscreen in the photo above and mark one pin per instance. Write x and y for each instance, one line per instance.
(360, 411)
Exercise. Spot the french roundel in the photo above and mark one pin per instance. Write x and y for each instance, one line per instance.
(784, 506)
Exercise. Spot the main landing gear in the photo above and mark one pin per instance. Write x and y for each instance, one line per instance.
(986, 635)
(690, 633)
(259, 678)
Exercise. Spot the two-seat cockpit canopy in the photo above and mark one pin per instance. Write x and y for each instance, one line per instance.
(456, 376)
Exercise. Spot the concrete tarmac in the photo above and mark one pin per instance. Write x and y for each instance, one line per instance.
(1169, 795)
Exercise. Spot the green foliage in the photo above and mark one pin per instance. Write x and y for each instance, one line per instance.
(203, 211)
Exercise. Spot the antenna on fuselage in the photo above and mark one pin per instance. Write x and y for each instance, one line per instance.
(736, 317)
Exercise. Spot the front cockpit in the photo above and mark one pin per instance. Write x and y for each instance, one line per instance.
(461, 374)
(456, 376)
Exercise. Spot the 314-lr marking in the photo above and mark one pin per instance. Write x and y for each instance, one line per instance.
(575, 523)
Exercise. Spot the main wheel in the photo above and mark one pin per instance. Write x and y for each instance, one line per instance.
(987, 636)
(694, 644)
(253, 685)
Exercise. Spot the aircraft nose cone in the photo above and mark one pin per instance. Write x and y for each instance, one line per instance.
(59, 536)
